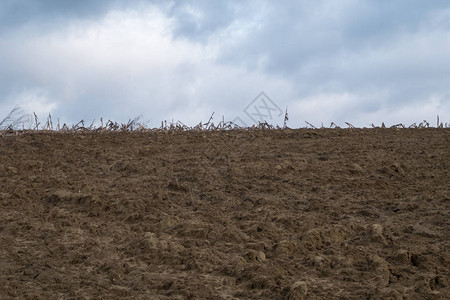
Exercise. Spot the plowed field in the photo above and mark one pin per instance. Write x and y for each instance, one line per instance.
(257, 214)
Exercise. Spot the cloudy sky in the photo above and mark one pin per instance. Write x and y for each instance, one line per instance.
(325, 61)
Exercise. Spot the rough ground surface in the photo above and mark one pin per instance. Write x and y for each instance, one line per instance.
(292, 214)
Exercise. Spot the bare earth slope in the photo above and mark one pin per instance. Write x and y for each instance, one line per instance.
(289, 214)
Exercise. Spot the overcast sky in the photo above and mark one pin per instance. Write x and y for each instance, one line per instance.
(328, 61)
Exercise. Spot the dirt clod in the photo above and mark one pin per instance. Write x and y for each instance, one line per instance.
(255, 256)
(298, 290)
(376, 234)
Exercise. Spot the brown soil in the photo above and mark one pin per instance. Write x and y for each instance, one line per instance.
(289, 214)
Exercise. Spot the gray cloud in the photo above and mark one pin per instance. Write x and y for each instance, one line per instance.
(360, 47)
(19, 12)
(199, 19)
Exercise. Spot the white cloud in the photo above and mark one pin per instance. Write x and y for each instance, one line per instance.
(129, 64)
(344, 61)
(36, 101)
(363, 110)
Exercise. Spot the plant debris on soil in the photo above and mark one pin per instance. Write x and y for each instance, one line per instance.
(228, 214)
